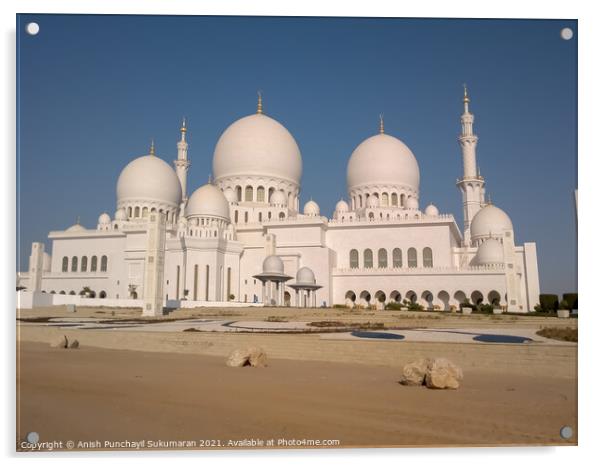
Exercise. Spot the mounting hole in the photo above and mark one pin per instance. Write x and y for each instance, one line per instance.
(32, 28)
(566, 432)
(566, 33)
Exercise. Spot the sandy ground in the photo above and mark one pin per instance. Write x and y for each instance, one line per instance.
(100, 394)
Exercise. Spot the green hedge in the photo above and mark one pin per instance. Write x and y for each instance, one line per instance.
(571, 299)
(548, 302)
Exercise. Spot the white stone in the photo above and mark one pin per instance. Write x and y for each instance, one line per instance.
(442, 373)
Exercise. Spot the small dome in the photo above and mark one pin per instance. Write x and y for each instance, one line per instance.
(490, 252)
(120, 214)
(273, 264)
(104, 219)
(257, 145)
(149, 178)
(372, 201)
(489, 221)
(342, 207)
(208, 201)
(311, 208)
(305, 276)
(76, 227)
(431, 210)
(383, 160)
(230, 195)
(412, 203)
(278, 198)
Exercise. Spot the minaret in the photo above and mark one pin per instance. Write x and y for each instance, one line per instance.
(472, 184)
(182, 162)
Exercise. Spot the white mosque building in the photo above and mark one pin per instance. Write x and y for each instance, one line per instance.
(242, 239)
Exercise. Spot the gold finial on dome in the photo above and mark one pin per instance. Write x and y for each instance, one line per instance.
(382, 124)
(259, 103)
(466, 98)
(152, 147)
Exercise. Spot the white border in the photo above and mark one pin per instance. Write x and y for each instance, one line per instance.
(590, 81)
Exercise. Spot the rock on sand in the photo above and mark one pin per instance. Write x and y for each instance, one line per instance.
(74, 344)
(255, 357)
(414, 372)
(434, 373)
(442, 373)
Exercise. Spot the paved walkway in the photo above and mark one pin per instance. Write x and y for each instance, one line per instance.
(432, 335)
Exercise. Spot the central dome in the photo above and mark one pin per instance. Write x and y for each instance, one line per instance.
(383, 160)
(257, 145)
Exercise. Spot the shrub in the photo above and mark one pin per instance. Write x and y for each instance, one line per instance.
(486, 308)
(548, 302)
(466, 303)
(556, 333)
(411, 306)
(563, 305)
(393, 306)
(571, 299)
(340, 306)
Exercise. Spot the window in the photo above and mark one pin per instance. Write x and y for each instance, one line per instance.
(427, 257)
(236, 216)
(103, 263)
(93, 264)
(145, 212)
(412, 258)
(260, 194)
(354, 260)
(74, 264)
(382, 258)
(84, 265)
(238, 193)
(65, 264)
(397, 262)
(246, 217)
(102, 294)
(137, 212)
(249, 193)
(384, 200)
(394, 199)
(368, 258)
(281, 215)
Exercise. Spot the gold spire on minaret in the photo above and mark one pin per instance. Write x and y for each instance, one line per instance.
(382, 124)
(183, 128)
(466, 98)
(152, 147)
(259, 103)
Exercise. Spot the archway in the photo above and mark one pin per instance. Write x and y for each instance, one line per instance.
(459, 297)
(443, 297)
(412, 296)
(427, 299)
(350, 298)
(494, 298)
(287, 299)
(365, 298)
(476, 297)
(395, 296)
(381, 297)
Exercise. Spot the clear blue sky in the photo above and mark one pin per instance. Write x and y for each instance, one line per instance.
(94, 90)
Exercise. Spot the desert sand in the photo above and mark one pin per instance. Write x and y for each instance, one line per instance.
(97, 394)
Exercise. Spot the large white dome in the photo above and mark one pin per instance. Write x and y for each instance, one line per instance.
(489, 221)
(149, 178)
(383, 160)
(257, 145)
(208, 201)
